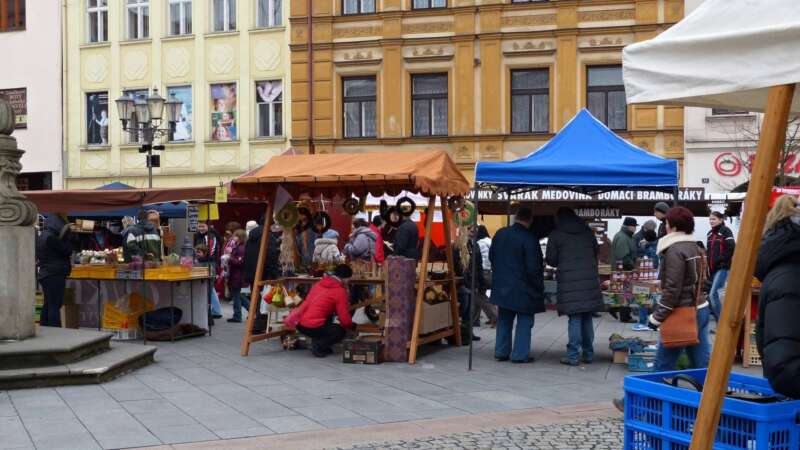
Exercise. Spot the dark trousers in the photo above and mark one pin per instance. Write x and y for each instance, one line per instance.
(325, 336)
(53, 289)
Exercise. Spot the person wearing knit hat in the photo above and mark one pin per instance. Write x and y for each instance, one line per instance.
(250, 226)
(660, 211)
(623, 253)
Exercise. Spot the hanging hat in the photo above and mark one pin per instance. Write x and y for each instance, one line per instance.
(629, 222)
(343, 271)
(662, 207)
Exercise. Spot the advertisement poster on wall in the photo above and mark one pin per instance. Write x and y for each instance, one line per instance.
(270, 107)
(18, 98)
(97, 118)
(223, 115)
(183, 128)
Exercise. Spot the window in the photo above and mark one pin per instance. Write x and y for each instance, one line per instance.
(605, 96)
(97, 29)
(138, 19)
(727, 112)
(530, 101)
(12, 15)
(269, 13)
(429, 104)
(359, 107)
(358, 7)
(269, 106)
(182, 130)
(428, 4)
(180, 17)
(224, 15)
(136, 95)
(528, 1)
(97, 118)
(223, 112)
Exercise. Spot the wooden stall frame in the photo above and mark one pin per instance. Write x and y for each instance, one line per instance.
(737, 295)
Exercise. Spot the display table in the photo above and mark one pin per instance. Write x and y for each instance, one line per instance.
(188, 290)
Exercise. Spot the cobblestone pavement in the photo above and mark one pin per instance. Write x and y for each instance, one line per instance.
(595, 434)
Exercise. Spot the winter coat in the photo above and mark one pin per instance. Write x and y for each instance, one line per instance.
(485, 244)
(466, 283)
(272, 270)
(214, 242)
(517, 270)
(662, 229)
(144, 239)
(380, 256)
(682, 270)
(572, 248)
(720, 245)
(362, 244)
(647, 249)
(326, 298)
(326, 252)
(305, 247)
(777, 333)
(54, 248)
(406, 240)
(236, 268)
(624, 250)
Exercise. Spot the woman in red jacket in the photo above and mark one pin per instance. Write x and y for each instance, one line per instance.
(314, 317)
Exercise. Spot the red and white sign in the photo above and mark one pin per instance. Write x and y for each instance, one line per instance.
(728, 164)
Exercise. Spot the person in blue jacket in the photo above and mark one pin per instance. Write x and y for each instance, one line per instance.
(517, 287)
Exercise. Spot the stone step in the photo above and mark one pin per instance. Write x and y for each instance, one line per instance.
(99, 368)
(52, 346)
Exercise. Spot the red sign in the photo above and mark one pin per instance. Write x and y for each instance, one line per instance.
(780, 191)
(729, 165)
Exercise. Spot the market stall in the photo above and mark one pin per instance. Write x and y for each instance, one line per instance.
(727, 54)
(294, 182)
(109, 293)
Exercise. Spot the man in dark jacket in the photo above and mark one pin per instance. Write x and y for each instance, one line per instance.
(208, 236)
(517, 286)
(272, 269)
(777, 333)
(623, 252)
(660, 211)
(720, 245)
(144, 238)
(406, 240)
(572, 249)
(53, 254)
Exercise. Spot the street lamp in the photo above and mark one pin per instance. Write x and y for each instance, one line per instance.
(143, 117)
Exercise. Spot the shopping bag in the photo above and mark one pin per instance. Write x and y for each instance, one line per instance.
(680, 328)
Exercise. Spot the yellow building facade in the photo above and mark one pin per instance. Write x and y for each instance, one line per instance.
(226, 60)
(484, 79)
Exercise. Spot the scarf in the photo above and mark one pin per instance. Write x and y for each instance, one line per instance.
(673, 238)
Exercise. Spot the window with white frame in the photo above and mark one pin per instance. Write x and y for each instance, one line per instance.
(359, 107)
(429, 4)
(268, 13)
(97, 20)
(605, 96)
(530, 101)
(429, 104)
(180, 17)
(223, 15)
(138, 21)
(269, 108)
(358, 7)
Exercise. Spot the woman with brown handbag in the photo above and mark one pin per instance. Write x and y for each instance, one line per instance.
(682, 313)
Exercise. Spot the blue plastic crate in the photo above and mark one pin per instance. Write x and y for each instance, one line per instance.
(661, 417)
(642, 361)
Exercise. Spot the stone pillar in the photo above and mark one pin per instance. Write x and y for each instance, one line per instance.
(17, 239)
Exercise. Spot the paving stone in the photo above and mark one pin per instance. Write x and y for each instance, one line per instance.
(291, 424)
(13, 434)
(183, 433)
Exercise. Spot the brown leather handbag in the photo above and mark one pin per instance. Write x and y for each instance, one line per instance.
(680, 327)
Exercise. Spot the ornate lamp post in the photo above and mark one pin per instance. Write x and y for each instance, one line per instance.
(143, 117)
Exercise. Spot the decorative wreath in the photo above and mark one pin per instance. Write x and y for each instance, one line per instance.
(455, 203)
(372, 314)
(326, 220)
(305, 212)
(288, 216)
(466, 216)
(406, 206)
(351, 206)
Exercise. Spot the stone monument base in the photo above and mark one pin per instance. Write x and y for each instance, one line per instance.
(17, 282)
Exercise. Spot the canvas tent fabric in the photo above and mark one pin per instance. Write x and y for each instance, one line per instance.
(91, 200)
(427, 173)
(724, 54)
(585, 156)
(174, 210)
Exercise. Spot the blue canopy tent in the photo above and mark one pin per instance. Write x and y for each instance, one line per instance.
(584, 156)
(175, 210)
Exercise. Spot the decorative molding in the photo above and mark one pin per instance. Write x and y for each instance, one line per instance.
(221, 59)
(430, 53)
(135, 65)
(96, 68)
(267, 55)
(178, 159)
(529, 20)
(606, 15)
(358, 57)
(96, 162)
(15, 209)
(357, 32)
(218, 158)
(178, 62)
(534, 47)
(427, 27)
(463, 153)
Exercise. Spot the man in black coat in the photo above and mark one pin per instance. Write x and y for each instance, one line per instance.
(517, 286)
(53, 255)
(406, 240)
(272, 269)
(572, 248)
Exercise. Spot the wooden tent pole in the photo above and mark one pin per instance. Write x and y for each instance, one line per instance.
(423, 276)
(737, 296)
(451, 273)
(255, 289)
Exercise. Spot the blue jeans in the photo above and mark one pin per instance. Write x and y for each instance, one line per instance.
(717, 283)
(581, 337)
(522, 335)
(239, 300)
(698, 354)
(644, 315)
(216, 308)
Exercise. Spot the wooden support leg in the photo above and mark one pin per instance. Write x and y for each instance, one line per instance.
(737, 295)
(451, 273)
(423, 276)
(258, 282)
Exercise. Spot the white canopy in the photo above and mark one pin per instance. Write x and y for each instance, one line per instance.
(725, 54)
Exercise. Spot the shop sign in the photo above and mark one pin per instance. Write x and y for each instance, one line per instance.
(18, 98)
(728, 164)
(565, 195)
(599, 213)
(192, 218)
